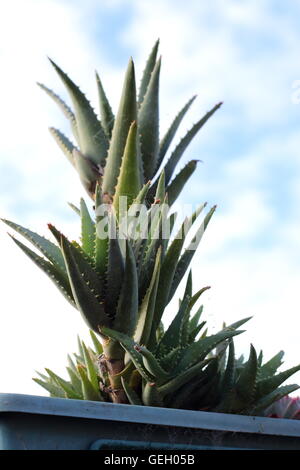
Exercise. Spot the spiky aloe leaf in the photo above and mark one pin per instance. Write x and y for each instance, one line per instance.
(146, 309)
(267, 385)
(107, 116)
(125, 117)
(185, 141)
(92, 139)
(141, 197)
(97, 345)
(74, 208)
(189, 286)
(130, 347)
(160, 190)
(170, 266)
(88, 230)
(193, 323)
(168, 137)
(197, 351)
(183, 377)
(151, 395)
(66, 386)
(46, 247)
(85, 285)
(269, 368)
(103, 229)
(129, 184)
(88, 390)
(132, 396)
(68, 113)
(246, 383)
(147, 72)
(272, 397)
(75, 380)
(52, 272)
(176, 186)
(175, 336)
(114, 275)
(127, 309)
(152, 364)
(228, 381)
(90, 368)
(53, 389)
(148, 124)
(189, 252)
(194, 333)
(64, 143)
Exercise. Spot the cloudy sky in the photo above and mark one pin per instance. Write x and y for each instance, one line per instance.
(244, 53)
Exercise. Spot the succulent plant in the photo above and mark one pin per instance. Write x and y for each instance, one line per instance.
(128, 264)
(98, 147)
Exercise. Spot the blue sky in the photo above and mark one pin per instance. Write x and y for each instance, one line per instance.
(241, 52)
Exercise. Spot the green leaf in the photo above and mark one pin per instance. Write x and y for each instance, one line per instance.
(189, 286)
(272, 397)
(68, 113)
(146, 310)
(103, 228)
(246, 383)
(87, 230)
(88, 391)
(83, 280)
(194, 332)
(152, 364)
(160, 190)
(97, 345)
(129, 183)
(269, 368)
(227, 381)
(127, 311)
(189, 252)
(140, 199)
(125, 117)
(183, 377)
(53, 389)
(66, 386)
(52, 272)
(132, 396)
(148, 124)
(64, 144)
(46, 247)
(180, 180)
(92, 139)
(75, 381)
(175, 335)
(107, 116)
(170, 267)
(74, 208)
(168, 137)
(151, 395)
(267, 385)
(197, 351)
(147, 72)
(91, 368)
(114, 276)
(195, 319)
(183, 144)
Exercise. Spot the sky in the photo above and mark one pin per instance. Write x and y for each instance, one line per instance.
(241, 52)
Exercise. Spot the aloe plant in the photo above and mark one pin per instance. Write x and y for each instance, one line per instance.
(122, 280)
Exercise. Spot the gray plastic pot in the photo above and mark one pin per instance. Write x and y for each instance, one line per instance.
(41, 423)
